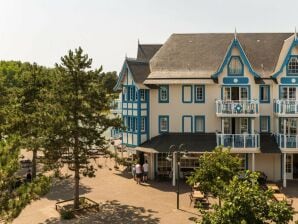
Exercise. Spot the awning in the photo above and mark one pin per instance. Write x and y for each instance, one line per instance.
(194, 142)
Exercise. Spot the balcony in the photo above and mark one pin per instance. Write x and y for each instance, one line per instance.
(287, 141)
(286, 108)
(237, 108)
(238, 141)
(116, 106)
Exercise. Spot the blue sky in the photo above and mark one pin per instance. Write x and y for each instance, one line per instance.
(43, 30)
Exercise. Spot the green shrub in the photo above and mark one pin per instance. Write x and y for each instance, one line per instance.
(66, 214)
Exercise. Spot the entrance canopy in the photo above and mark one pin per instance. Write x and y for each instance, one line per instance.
(194, 142)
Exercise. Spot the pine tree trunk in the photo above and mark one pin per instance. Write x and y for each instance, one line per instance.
(34, 165)
(76, 176)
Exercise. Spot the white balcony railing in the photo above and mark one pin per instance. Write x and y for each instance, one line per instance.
(231, 108)
(286, 107)
(238, 140)
(116, 106)
(287, 141)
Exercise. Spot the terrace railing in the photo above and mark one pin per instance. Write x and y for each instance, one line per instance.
(232, 108)
(238, 140)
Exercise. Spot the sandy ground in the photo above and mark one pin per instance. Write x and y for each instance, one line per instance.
(122, 200)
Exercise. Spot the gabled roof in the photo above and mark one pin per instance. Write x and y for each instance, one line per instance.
(147, 51)
(139, 69)
(203, 53)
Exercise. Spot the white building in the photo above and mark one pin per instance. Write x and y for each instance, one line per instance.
(204, 90)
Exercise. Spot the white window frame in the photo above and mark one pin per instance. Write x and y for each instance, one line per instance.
(142, 95)
(143, 124)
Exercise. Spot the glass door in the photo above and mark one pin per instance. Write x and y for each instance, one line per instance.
(289, 166)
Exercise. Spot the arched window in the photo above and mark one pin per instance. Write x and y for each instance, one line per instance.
(293, 65)
(235, 66)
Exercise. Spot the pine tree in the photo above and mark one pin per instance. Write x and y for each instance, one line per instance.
(81, 115)
(31, 117)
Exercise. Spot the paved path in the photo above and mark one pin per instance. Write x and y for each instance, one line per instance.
(123, 201)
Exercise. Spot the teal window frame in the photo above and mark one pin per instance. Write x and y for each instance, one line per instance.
(160, 117)
(195, 94)
(191, 92)
(161, 87)
(191, 123)
(230, 70)
(261, 89)
(204, 124)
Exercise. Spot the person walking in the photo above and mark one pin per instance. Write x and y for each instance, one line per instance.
(139, 172)
(146, 170)
(133, 171)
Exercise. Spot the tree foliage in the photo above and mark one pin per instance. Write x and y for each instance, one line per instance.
(81, 115)
(31, 117)
(109, 80)
(14, 194)
(215, 171)
(245, 202)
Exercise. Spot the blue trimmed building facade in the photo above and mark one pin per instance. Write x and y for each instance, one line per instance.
(205, 90)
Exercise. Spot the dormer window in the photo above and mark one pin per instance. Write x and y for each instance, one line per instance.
(293, 65)
(235, 66)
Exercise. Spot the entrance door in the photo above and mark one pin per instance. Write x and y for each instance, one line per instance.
(235, 93)
(289, 166)
(295, 166)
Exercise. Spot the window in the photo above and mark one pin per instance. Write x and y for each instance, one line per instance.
(142, 95)
(136, 95)
(129, 123)
(135, 122)
(288, 163)
(243, 125)
(132, 93)
(288, 93)
(264, 124)
(187, 94)
(243, 93)
(163, 124)
(143, 124)
(199, 123)
(265, 94)
(293, 65)
(164, 94)
(227, 93)
(199, 93)
(124, 94)
(227, 125)
(162, 163)
(235, 66)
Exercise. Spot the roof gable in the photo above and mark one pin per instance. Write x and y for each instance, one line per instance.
(235, 43)
(286, 59)
(147, 51)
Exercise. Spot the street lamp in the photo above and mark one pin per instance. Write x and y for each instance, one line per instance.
(181, 150)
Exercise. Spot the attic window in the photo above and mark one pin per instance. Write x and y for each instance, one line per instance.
(293, 65)
(235, 66)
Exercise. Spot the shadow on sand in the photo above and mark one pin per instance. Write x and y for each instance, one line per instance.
(162, 185)
(63, 189)
(113, 212)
